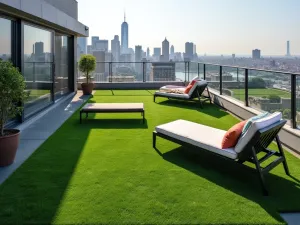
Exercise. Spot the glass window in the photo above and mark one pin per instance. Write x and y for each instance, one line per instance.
(61, 85)
(38, 64)
(5, 39)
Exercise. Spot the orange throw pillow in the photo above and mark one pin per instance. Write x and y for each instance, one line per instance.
(189, 87)
(232, 136)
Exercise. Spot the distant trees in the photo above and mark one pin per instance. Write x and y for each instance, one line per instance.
(274, 98)
(257, 82)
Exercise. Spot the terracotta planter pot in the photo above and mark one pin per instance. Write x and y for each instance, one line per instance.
(87, 89)
(8, 147)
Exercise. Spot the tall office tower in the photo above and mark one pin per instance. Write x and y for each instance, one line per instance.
(124, 36)
(172, 50)
(194, 50)
(189, 51)
(256, 54)
(94, 40)
(148, 52)
(89, 49)
(288, 53)
(115, 48)
(156, 52)
(177, 56)
(39, 48)
(100, 67)
(101, 45)
(165, 50)
(82, 42)
(138, 58)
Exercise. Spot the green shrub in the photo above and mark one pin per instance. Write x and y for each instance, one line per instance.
(87, 64)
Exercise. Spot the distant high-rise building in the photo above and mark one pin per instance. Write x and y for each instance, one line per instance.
(94, 40)
(101, 45)
(288, 53)
(148, 52)
(157, 52)
(39, 48)
(124, 36)
(115, 48)
(163, 71)
(177, 56)
(82, 42)
(89, 49)
(172, 50)
(189, 50)
(165, 50)
(99, 73)
(256, 54)
(194, 50)
(138, 59)
(233, 56)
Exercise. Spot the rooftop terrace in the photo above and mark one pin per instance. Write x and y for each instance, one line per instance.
(105, 171)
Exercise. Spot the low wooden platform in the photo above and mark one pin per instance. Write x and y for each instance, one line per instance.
(113, 108)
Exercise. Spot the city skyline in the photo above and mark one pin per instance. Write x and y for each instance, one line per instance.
(233, 27)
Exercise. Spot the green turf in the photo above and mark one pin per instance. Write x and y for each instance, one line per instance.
(105, 171)
(240, 93)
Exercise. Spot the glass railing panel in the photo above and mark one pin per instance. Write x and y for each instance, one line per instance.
(201, 72)
(181, 73)
(233, 83)
(298, 101)
(193, 70)
(270, 92)
(126, 72)
(213, 77)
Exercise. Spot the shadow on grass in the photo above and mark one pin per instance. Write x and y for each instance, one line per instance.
(35, 192)
(208, 108)
(240, 179)
(114, 123)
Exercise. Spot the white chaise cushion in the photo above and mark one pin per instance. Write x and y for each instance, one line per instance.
(175, 95)
(202, 136)
(255, 126)
(198, 83)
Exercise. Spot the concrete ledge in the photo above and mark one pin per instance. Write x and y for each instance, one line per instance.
(132, 85)
(289, 137)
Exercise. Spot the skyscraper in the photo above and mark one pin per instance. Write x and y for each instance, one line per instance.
(256, 54)
(288, 53)
(172, 50)
(101, 45)
(115, 48)
(94, 39)
(165, 50)
(82, 42)
(148, 52)
(138, 59)
(156, 52)
(124, 36)
(189, 50)
(39, 48)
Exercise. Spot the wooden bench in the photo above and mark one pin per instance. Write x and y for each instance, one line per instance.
(113, 108)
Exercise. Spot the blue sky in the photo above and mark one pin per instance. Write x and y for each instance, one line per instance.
(215, 26)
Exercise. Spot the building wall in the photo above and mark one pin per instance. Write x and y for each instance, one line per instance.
(70, 7)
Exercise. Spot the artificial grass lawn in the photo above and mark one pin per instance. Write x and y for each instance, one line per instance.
(240, 93)
(105, 171)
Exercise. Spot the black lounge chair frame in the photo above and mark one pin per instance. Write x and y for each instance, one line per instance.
(258, 143)
(197, 93)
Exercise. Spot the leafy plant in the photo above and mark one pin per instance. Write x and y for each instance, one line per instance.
(87, 64)
(274, 98)
(12, 86)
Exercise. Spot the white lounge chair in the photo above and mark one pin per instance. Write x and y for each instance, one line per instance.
(203, 138)
(195, 92)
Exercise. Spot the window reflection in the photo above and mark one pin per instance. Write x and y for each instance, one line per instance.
(5, 39)
(38, 72)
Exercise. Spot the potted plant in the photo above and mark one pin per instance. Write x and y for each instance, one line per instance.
(87, 64)
(12, 86)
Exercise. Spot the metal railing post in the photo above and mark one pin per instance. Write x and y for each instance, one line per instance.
(184, 71)
(144, 79)
(221, 80)
(293, 101)
(110, 71)
(246, 88)
(188, 71)
(204, 71)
